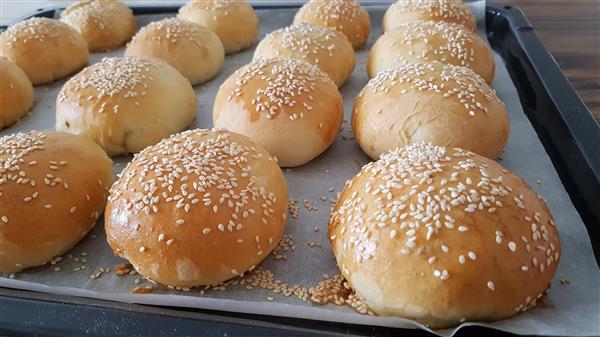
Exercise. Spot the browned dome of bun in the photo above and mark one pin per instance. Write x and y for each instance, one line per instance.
(53, 188)
(198, 208)
(17, 93)
(403, 11)
(45, 49)
(427, 41)
(433, 102)
(346, 16)
(288, 106)
(443, 235)
(104, 24)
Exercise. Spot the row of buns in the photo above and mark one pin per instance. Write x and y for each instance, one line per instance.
(429, 218)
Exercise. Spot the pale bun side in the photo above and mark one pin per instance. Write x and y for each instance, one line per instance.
(17, 93)
(443, 236)
(288, 106)
(126, 103)
(104, 24)
(453, 11)
(53, 188)
(195, 51)
(45, 49)
(428, 41)
(346, 16)
(198, 208)
(433, 102)
(234, 21)
(321, 46)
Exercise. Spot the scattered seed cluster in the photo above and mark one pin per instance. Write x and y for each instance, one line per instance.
(458, 42)
(35, 29)
(305, 39)
(413, 205)
(333, 13)
(285, 244)
(198, 169)
(280, 82)
(100, 13)
(449, 81)
(446, 9)
(173, 30)
(127, 77)
(337, 291)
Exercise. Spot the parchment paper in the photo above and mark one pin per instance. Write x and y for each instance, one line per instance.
(575, 307)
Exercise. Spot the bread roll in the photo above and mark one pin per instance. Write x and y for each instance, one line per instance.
(443, 235)
(320, 46)
(17, 93)
(45, 49)
(195, 51)
(453, 11)
(427, 41)
(439, 103)
(234, 21)
(288, 106)
(104, 24)
(126, 104)
(52, 190)
(346, 16)
(198, 208)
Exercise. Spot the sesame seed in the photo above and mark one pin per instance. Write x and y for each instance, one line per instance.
(142, 249)
(491, 286)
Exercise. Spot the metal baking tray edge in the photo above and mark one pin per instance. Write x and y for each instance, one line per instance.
(565, 126)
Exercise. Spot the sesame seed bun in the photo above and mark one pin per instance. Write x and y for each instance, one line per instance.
(346, 16)
(453, 11)
(52, 190)
(195, 51)
(198, 208)
(234, 21)
(443, 235)
(17, 93)
(433, 102)
(323, 47)
(288, 106)
(126, 104)
(427, 41)
(45, 49)
(104, 24)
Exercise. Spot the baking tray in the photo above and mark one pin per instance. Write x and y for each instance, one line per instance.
(566, 128)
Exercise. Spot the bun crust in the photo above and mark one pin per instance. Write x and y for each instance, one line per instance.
(195, 51)
(234, 21)
(281, 103)
(427, 41)
(443, 235)
(198, 208)
(126, 104)
(45, 49)
(325, 48)
(439, 103)
(404, 11)
(52, 190)
(104, 24)
(17, 93)
(346, 16)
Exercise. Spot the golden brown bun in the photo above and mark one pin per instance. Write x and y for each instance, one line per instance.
(320, 46)
(234, 21)
(53, 188)
(434, 102)
(45, 49)
(443, 235)
(195, 51)
(346, 16)
(17, 93)
(104, 24)
(126, 103)
(198, 208)
(453, 11)
(427, 41)
(280, 104)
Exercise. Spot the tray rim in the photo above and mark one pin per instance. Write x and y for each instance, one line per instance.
(520, 22)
